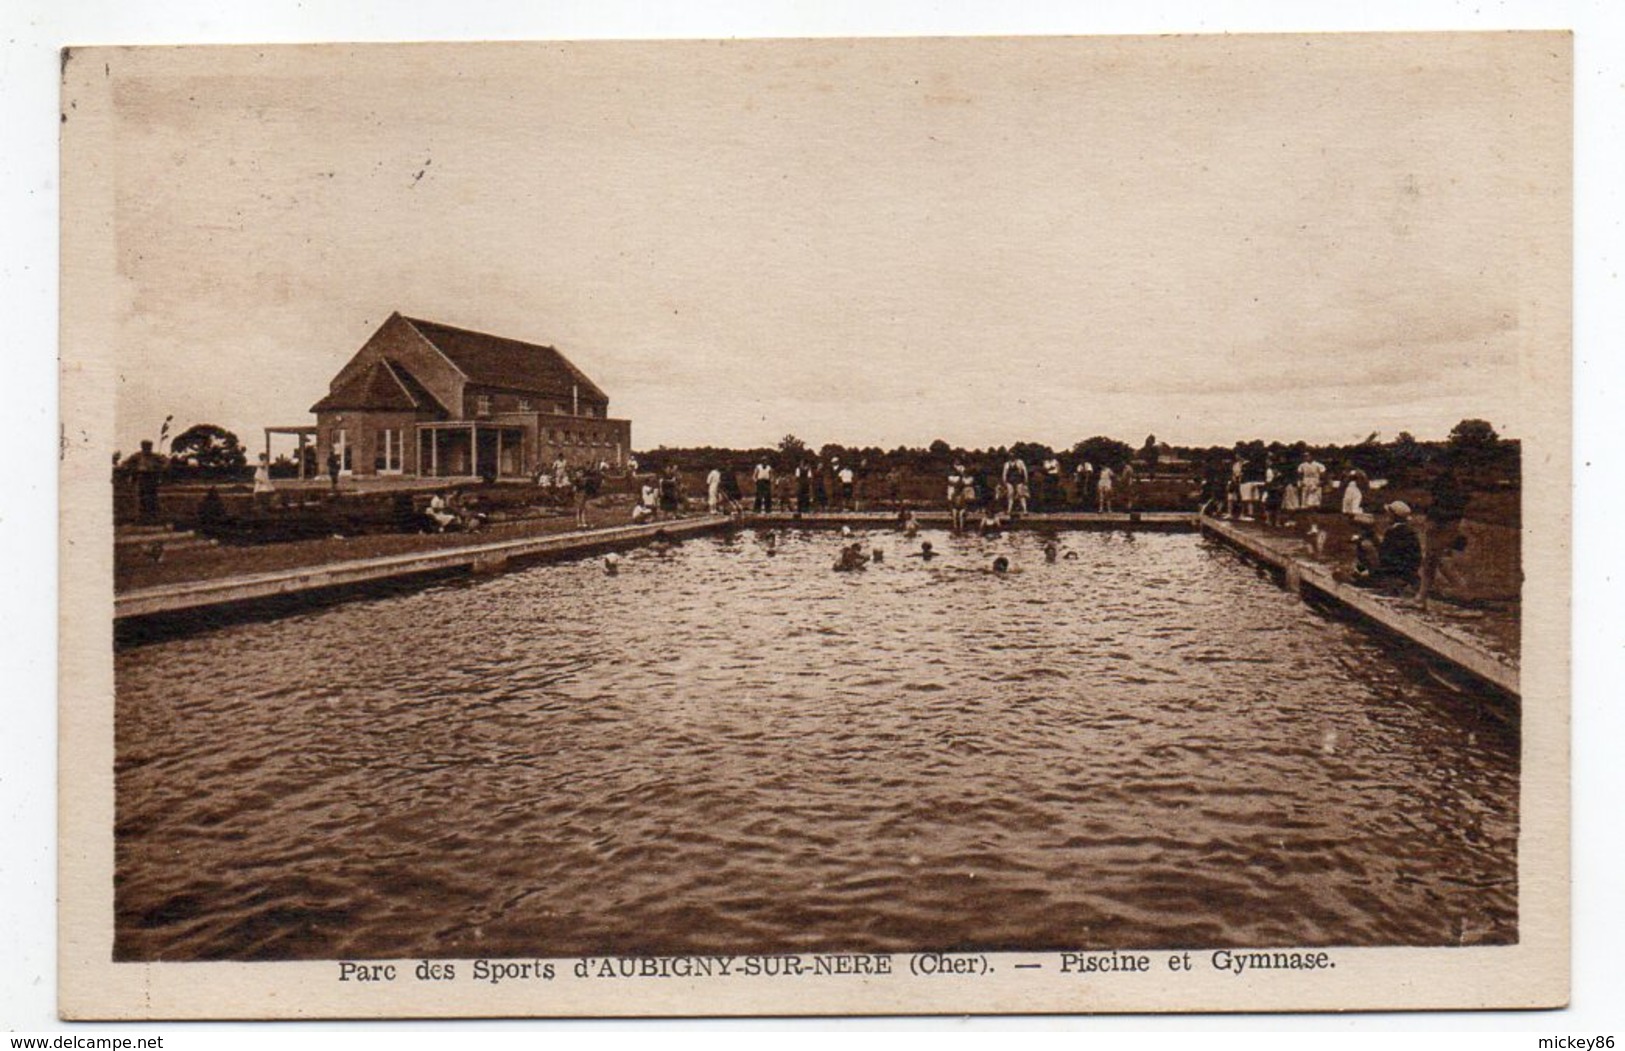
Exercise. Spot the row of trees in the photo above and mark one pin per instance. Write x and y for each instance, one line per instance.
(203, 450)
(210, 451)
(1472, 446)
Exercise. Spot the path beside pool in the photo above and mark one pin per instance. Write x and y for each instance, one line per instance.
(1480, 642)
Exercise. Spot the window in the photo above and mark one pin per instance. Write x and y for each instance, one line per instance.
(524, 404)
(387, 458)
(482, 405)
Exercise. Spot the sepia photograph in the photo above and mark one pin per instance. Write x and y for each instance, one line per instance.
(822, 525)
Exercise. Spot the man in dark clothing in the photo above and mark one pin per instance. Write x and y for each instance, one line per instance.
(148, 468)
(1397, 561)
(1401, 549)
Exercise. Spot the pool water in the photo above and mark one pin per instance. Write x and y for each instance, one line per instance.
(722, 749)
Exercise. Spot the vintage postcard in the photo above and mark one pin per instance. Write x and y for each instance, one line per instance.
(842, 526)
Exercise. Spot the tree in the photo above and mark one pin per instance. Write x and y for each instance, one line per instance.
(1407, 451)
(940, 448)
(1103, 451)
(209, 448)
(793, 449)
(1473, 434)
(1031, 453)
(1473, 444)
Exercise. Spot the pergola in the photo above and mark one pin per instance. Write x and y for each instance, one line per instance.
(301, 433)
(429, 452)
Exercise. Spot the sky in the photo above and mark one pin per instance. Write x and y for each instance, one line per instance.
(869, 242)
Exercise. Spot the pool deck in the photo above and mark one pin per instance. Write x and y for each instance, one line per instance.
(1300, 575)
(492, 556)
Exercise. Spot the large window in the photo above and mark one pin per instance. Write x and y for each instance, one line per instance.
(387, 458)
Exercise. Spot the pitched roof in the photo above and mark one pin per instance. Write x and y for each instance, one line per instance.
(496, 361)
(382, 385)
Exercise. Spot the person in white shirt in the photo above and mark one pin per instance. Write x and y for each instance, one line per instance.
(848, 493)
(1310, 473)
(439, 513)
(713, 489)
(1354, 493)
(1103, 489)
(1049, 498)
(264, 489)
(1086, 484)
(764, 487)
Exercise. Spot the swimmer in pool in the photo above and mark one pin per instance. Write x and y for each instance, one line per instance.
(612, 563)
(1050, 551)
(852, 558)
(877, 555)
(1001, 565)
(911, 525)
(925, 551)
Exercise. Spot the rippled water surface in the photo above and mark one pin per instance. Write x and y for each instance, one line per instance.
(720, 750)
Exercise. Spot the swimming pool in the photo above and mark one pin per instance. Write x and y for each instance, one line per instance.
(719, 749)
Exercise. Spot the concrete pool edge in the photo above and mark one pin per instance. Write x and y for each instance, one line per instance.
(491, 556)
(1301, 575)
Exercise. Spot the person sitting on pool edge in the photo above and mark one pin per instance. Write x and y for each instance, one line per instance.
(439, 513)
(1394, 562)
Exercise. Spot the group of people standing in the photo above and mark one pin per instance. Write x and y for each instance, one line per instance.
(814, 485)
(1260, 488)
(1010, 488)
(578, 482)
(662, 494)
(1390, 552)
